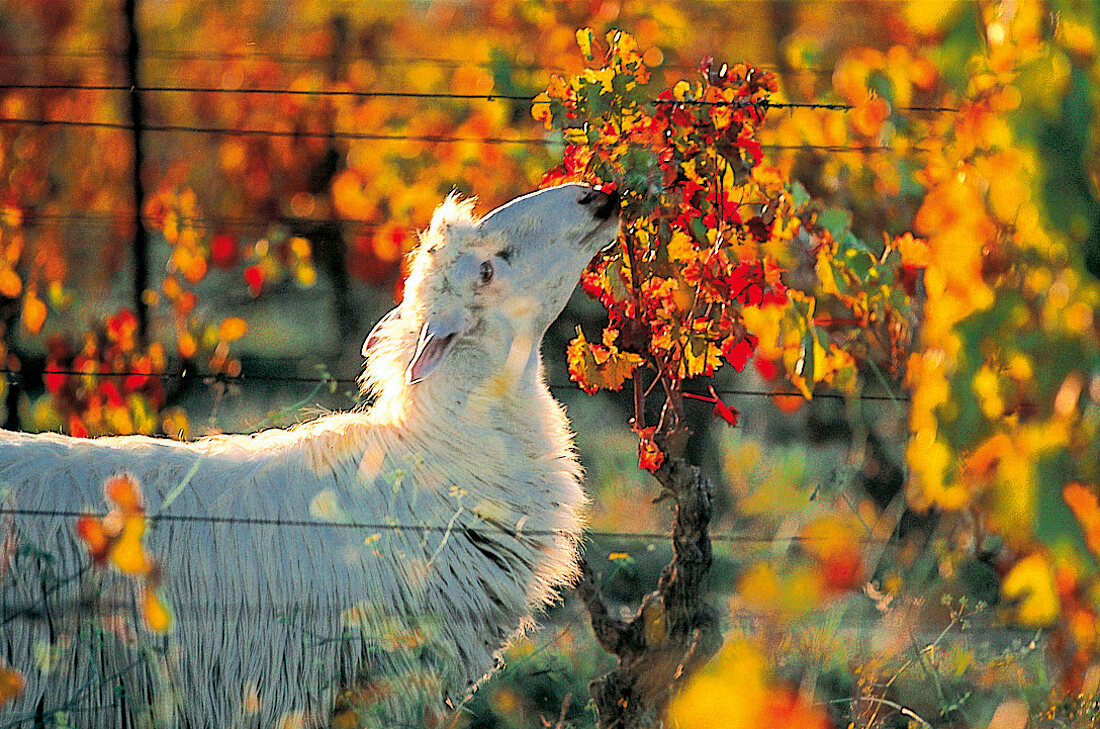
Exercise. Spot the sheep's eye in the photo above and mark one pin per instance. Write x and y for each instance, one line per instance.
(485, 273)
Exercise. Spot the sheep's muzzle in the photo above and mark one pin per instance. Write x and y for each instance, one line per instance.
(605, 203)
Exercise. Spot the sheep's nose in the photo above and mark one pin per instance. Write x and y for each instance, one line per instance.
(604, 203)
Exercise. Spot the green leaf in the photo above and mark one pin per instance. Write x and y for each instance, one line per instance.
(836, 221)
(800, 197)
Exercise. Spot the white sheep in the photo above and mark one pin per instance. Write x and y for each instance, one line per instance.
(463, 444)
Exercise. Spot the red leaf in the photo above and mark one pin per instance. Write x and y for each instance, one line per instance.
(77, 428)
(223, 250)
(54, 382)
(91, 532)
(254, 275)
(766, 368)
(723, 411)
(110, 391)
(650, 456)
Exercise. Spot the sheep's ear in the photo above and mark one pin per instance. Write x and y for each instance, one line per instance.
(376, 332)
(435, 341)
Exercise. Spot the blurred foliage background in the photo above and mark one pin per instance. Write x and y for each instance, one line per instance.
(920, 557)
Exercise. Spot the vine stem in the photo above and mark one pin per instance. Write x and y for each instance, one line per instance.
(673, 631)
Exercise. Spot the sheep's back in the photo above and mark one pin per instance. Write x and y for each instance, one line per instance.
(277, 601)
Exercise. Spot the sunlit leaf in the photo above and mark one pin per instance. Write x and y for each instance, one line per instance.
(127, 552)
(1029, 588)
(232, 328)
(155, 612)
(34, 312)
(599, 366)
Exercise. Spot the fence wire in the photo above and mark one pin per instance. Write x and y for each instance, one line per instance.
(727, 538)
(427, 138)
(764, 104)
(14, 375)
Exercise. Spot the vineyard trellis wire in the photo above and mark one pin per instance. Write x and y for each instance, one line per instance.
(302, 59)
(213, 377)
(440, 95)
(428, 138)
(729, 538)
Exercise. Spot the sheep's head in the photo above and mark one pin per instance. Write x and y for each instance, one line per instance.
(481, 293)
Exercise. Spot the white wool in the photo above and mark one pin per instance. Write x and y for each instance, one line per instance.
(272, 620)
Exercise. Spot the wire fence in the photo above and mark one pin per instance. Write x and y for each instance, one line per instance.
(424, 95)
(14, 375)
(427, 138)
(727, 538)
(314, 59)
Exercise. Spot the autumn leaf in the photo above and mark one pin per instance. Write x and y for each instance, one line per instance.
(34, 312)
(123, 491)
(869, 116)
(724, 411)
(835, 543)
(650, 456)
(11, 683)
(736, 690)
(232, 328)
(127, 552)
(157, 616)
(1029, 587)
(91, 532)
(10, 283)
(599, 366)
(585, 37)
(1085, 506)
(738, 348)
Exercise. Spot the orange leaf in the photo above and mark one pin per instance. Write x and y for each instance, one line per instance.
(232, 328)
(11, 684)
(34, 312)
(186, 345)
(1086, 507)
(650, 456)
(124, 492)
(869, 116)
(10, 284)
(158, 618)
(91, 531)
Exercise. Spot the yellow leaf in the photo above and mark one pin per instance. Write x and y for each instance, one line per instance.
(824, 268)
(595, 366)
(128, 553)
(728, 692)
(1030, 585)
(788, 596)
(736, 691)
(232, 328)
(540, 110)
(585, 36)
(187, 345)
(680, 247)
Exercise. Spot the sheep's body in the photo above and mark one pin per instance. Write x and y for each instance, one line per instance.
(274, 613)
